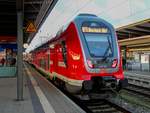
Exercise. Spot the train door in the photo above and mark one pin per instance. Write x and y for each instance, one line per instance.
(48, 59)
(64, 52)
(52, 57)
(58, 58)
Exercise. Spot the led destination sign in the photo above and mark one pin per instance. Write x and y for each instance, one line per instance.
(94, 30)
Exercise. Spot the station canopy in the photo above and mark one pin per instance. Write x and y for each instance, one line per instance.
(117, 12)
(34, 10)
(138, 29)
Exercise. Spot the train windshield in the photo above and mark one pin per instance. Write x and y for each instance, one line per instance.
(99, 45)
(98, 38)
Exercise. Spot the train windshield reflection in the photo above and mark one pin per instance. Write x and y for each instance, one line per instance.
(98, 44)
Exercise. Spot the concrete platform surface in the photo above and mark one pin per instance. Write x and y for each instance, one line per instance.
(8, 103)
(40, 96)
(58, 102)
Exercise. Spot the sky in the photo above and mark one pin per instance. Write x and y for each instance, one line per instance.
(117, 12)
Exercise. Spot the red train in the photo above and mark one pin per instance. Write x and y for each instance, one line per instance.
(83, 56)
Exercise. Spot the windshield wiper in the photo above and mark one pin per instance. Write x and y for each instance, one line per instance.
(109, 47)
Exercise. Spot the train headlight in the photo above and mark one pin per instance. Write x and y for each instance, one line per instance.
(90, 64)
(114, 63)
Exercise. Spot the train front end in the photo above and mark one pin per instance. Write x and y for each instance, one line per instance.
(102, 59)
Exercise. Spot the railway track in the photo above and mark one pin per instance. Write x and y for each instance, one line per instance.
(102, 106)
(138, 90)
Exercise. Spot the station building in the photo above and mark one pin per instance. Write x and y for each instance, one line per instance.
(134, 40)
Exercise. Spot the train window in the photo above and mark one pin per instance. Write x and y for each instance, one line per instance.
(48, 61)
(43, 63)
(64, 52)
(99, 45)
(98, 39)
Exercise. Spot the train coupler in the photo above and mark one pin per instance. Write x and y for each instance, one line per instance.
(123, 83)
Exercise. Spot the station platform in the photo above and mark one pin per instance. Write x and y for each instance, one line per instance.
(140, 74)
(138, 78)
(40, 96)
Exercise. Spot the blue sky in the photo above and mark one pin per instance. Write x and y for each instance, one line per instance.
(117, 12)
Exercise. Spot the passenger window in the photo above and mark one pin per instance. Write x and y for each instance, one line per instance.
(48, 61)
(43, 63)
(64, 52)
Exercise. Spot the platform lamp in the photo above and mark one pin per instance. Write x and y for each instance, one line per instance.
(25, 45)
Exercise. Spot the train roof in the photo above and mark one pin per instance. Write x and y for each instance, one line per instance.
(90, 17)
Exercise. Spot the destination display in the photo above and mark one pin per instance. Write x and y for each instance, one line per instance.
(94, 30)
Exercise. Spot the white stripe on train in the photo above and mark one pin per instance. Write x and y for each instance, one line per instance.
(62, 77)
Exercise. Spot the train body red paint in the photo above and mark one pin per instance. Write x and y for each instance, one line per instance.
(84, 55)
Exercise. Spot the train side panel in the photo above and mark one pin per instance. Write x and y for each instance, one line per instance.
(68, 55)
